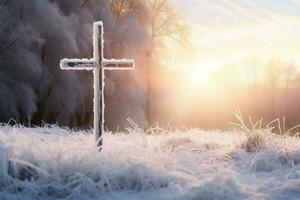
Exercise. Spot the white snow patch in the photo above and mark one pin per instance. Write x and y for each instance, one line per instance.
(54, 163)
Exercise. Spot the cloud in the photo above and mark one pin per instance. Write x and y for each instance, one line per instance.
(226, 29)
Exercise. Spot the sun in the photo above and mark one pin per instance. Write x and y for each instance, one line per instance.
(197, 73)
(200, 73)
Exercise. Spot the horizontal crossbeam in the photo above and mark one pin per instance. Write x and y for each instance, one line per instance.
(90, 64)
(118, 64)
(77, 64)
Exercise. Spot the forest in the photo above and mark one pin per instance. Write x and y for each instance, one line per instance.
(35, 35)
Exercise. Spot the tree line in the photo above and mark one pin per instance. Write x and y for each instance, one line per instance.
(35, 35)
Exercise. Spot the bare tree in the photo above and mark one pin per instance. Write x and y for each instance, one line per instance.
(164, 23)
(251, 68)
(44, 46)
(273, 80)
(118, 7)
(122, 8)
(289, 72)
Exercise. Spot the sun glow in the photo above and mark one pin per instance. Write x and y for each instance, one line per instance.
(196, 73)
(203, 70)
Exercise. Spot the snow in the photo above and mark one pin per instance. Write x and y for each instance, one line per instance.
(98, 95)
(98, 53)
(55, 163)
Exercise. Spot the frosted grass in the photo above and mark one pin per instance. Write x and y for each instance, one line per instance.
(55, 163)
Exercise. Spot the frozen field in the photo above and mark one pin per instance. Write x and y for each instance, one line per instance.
(53, 163)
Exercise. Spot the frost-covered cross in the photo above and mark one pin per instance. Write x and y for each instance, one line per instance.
(98, 64)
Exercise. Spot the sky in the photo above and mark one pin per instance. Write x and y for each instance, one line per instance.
(232, 30)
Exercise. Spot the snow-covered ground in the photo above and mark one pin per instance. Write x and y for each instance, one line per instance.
(54, 163)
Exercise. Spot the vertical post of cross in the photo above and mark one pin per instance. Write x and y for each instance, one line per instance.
(98, 84)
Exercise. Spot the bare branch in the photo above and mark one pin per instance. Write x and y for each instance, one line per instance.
(84, 3)
(8, 46)
(162, 33)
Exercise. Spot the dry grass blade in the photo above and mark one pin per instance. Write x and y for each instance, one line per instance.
(257, 136)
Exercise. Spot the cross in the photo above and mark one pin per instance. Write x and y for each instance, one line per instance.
(98, 64)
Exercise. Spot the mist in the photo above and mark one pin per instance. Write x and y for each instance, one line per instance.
(36, 35)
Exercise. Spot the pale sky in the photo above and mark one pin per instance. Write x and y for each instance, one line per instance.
(231, 30)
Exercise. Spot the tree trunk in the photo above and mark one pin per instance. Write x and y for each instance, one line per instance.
(149, 111)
